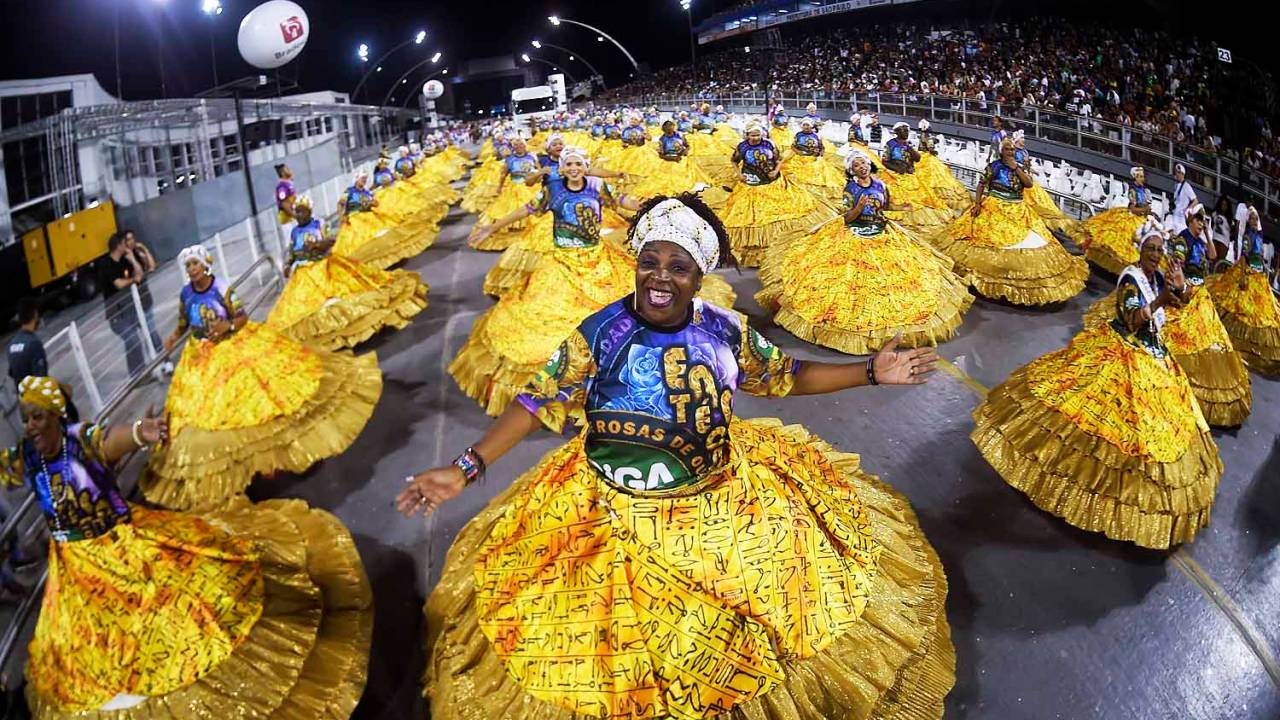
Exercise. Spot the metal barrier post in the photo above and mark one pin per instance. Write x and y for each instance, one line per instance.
(222, 257)
(147, 346)
(82, 364)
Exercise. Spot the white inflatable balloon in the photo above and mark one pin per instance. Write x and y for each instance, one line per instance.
(432, 89)
(273, 33)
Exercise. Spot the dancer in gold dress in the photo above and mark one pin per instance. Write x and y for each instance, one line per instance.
(247, 611)
(1194, 334)
(513, 193)
(766, 207)
(1108, 236)
(935, 174)
(927, 212)
(247, 400)
(807, 165)
(1106, 433)
(1003, 246)
(683, 562)
(1248, 308)
(333, 302)
(854, 285)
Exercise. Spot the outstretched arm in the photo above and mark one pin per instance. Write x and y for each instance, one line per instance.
(890, 366)
(429, 489)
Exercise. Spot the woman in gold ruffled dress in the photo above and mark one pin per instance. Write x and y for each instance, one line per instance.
(766, 207)
(927, 212)
(1248, 308)
(678, 174)
(710, 145)
(854, 285)
(1106, 433)
(683, 562)
(1108, 236)
(538, 239)
(807, 165)
(638, 159)
(248, 611)
(1037, 197)
(247, 400)
(780, 126)
(513, 193)
(333, 302)
(935, 174)
(1194, 334)
(370, 236)
(429, 175)
(510, 342)
(486, 180)
(1003, 247)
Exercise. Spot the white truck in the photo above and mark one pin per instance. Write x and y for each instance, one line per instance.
(530, 104)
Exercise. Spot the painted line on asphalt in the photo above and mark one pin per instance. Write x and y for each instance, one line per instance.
(1185, 564)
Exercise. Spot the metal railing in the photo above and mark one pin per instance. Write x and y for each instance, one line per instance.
(9, 638)
(1211, 172)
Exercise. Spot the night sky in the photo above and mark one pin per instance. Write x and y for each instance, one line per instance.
(53, 37)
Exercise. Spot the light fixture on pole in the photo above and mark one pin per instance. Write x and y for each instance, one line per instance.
(212, 8)
(687, 6)
(601, 36)
(554, 68)
(363, 52)
(435, 58)
(572, 56)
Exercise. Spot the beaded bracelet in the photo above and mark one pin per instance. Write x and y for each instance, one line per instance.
(471, 465)
(871, 371)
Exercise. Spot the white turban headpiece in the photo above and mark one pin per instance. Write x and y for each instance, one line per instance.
(403, 150)
(924, 125)
(674, 222)
(1133, 172)
(1152, 227)
(753, 125)
(1180, 168)
(854, 155)
(198, 253)
(569, 152)
(554, 137)
(900, 126)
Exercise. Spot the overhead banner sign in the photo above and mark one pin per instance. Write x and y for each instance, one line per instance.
(737, 27)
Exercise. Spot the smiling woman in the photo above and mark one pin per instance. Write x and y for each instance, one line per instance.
(822, 557)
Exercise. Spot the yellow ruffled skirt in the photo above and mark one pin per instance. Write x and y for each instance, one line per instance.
(518, 261)
(338, 303)
(437, 191)
(1251, 315)
(1042, 202)
(1197, 339)
(942, 183)
(781, 137)
(514, 195)
(642, 161)
(1106, 437)
(680, 176)
(1109, 239)
(255, 403)
(483, 187)
(1008, 252)
(713, 155)
(373, 240)
(512, 341)
(854, 293)
(757, 216)
(928, 213)
(815, 174)
(825, 600)
(250, 611)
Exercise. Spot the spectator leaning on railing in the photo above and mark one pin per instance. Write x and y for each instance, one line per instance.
(120, 270)
(147, 262)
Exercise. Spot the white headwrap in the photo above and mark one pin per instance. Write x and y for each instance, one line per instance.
(806, 122)
(1019, 136)
(1195, 208)
(924, 125)
(753, 125)
(1180, 168)
(360, 174)
(1151, 227)
(553, 137)
(674, 222)
(403, 150)
(854, 155)
(900, 125)
(198, 253)
(570, 152)
(1133, 172)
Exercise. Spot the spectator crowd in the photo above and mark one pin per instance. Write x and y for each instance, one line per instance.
(1149, 81)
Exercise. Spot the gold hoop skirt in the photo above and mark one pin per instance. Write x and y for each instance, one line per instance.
(1108, 438)
(250, 611)
(828, 602)
(1251, 315)
(757, 216)
(1109, 239)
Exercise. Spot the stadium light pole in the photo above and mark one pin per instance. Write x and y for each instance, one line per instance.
(435, 58)
(556, 20)
(687, 6)
(212, 8)
(538, 44)
(376, 65)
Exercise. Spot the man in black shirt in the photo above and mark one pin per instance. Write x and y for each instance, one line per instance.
(147, 263)
(119, 270)
(26, 351)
